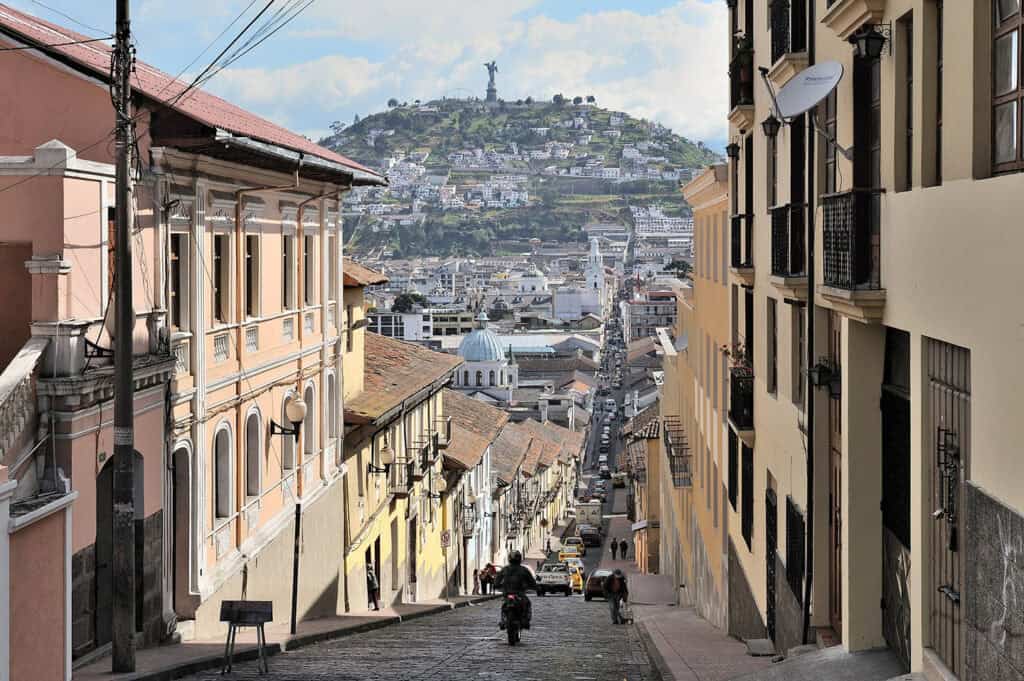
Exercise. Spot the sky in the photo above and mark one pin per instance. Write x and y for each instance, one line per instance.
(664, 60)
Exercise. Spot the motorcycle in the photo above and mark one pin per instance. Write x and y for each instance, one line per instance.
(513, 615)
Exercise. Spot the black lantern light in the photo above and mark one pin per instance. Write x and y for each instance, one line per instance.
(771, 126)
(733, 151)
(869, 40)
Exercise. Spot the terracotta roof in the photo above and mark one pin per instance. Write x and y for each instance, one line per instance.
(356, 275)
(533, 456)
(475, 416)
(553, 438)
(508, 452)
(641, 347)
(466, 448)
(395, 371)
(198, 105)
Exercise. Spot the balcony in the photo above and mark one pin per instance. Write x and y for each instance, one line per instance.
(400, 478)
(789, 39)
(443, 432)
(741, 402)
(742, 248)
(678, 450)
(741, 85)
(789, 251)
(420, 471)
(852, 241)
(846, 16)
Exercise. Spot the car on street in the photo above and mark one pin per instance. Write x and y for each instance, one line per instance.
(578, 563)
(574, 542)
(604, 472)
(595, 584)
(609, 404)
(619, 480)
(567, 552)
(554, 577)
(591, 537)
(602, 459)
(576, 579)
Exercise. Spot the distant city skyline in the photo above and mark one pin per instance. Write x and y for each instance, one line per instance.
(657, 59)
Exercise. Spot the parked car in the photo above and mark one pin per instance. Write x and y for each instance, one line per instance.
(590, 537)
(604, 472)
(595, 584)
(602, 459)
(554, 577)
(568, 552)
(619, 480)
(574, 543)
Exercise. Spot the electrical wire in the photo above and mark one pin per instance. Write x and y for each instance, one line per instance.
(73, 42)
(67, 16)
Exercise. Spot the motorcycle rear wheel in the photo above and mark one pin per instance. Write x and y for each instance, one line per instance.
(513, 633)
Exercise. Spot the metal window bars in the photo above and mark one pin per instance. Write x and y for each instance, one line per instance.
(677, 448)
(789, 240)
(852, 239)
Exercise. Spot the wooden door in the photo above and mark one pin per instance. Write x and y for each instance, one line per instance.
(771, 533)
(949, 397)
(835, 486)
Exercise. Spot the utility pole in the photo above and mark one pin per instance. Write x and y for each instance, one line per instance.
(123, 559)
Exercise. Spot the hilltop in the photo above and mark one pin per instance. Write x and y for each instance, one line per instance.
(476, 178)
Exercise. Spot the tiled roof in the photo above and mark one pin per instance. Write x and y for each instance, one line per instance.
(559, 443)
(475, 416)
(198, 105)
(641, 347)
(508, 452)
(395, 371)
(359, 275)
(466, 447)
(533, 456)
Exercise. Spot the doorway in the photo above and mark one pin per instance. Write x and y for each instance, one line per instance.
(413, 543)
(183, 532)
(835, 485)
(771, 533)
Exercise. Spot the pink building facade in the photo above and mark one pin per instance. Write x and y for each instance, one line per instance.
(237, 291)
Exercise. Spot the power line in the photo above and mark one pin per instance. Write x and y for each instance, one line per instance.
(67, 16)
(73, 42)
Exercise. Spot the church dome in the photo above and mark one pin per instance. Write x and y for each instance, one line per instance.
(482, 344)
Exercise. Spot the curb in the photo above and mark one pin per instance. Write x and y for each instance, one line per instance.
(658, 662)
(200, 664)
(303, 640)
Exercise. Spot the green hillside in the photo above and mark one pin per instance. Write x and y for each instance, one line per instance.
(559, 204)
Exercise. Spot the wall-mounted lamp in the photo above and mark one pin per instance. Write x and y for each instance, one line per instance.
(870, 39)
(771, 126)
(441, 487)
(387, 457)
(732, 150)
(824, 374)
(295, 412)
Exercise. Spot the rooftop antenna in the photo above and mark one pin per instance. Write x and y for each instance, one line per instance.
(804, 92)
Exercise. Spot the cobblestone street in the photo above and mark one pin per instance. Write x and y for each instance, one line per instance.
(571, 640)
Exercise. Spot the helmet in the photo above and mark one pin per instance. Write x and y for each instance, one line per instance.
(515, 557)
(618, 572)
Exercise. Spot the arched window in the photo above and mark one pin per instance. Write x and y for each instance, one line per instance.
(309, 426)
(252, 454)
(465, 377)
(479, 378)
(287, 441)
(491, 377)
(222, 472)
(502, 377)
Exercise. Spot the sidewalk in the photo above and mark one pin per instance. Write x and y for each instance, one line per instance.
(177, 660)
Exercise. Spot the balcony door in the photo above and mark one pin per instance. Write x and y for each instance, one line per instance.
(835, 486)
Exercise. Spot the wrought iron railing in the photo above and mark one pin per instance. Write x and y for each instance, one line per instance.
(678, 450)
(741, 397)
(401, 477)
(852, 236)
(788, 241)
(742, 241)
(741, 79)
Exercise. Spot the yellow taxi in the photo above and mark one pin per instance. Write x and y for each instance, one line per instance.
(568, 552)
(576, 578)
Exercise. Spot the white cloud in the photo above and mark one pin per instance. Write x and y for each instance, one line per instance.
(669, 66)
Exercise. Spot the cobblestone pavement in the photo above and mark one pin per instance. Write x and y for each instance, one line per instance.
(571, 640)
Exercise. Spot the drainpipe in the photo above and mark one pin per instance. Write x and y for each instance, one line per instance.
(809, 388)
(240, 330)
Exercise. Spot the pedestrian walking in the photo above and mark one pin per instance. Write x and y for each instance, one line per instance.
(615, 546)
(487, 578)
(616, 591)
(623, 548)
(476, 582)
(549, 545)
(372, 586)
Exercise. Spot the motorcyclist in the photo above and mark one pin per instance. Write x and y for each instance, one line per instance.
(516, 579)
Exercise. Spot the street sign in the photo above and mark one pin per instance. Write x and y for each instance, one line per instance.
(446, 538)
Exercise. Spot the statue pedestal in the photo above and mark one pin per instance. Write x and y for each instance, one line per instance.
(492, 94)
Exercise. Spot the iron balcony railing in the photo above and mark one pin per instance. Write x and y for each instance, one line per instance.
(741, 397)
(852, 238)
(788, 241)
(678, 449)
(741, 79)
(742, 241)
(789, 27)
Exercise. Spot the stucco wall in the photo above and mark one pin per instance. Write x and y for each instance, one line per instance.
(38, 600)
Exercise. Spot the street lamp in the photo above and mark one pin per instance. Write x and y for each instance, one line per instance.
(869, 41)
(387, 457)
(771, 126)
(733, 151)
(295, 412)
(441, 487)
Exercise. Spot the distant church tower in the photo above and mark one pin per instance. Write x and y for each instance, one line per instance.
(595, 268)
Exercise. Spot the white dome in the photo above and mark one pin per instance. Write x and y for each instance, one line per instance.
(482, 344)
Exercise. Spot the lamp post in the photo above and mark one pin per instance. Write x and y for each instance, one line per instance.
(869, 40)
(732, 150)
(295, 412)
(771, 126)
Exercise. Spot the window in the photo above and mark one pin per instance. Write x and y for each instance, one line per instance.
(773, 170)
(491, 377)
(831, 129)
(332, 407)
(479, 378)
(1007, 89)
(907, 28)
(772, 379)
(795, 549)
(799, 354)
(222, 473)
(939, 24)
(747, 514)
(287, 441)
(465, 378)
(309, 270)
(734, 467)
(252, 455)
(221, 284)
(332, 268)
(179, 275)
(252, 275)
(288, 273)
(349, 331)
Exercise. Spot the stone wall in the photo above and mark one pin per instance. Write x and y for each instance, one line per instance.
(789, 614)
(993, 589)
(745, 620)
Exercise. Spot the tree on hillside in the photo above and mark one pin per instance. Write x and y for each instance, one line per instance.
(392, 103)
(355, 120)
(558, 99)
(404, 302)
(337, 127)
(529, 100)
(681, 268)
(591, 99)
(577, 100)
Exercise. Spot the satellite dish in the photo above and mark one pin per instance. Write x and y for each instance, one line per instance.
(807, 88)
